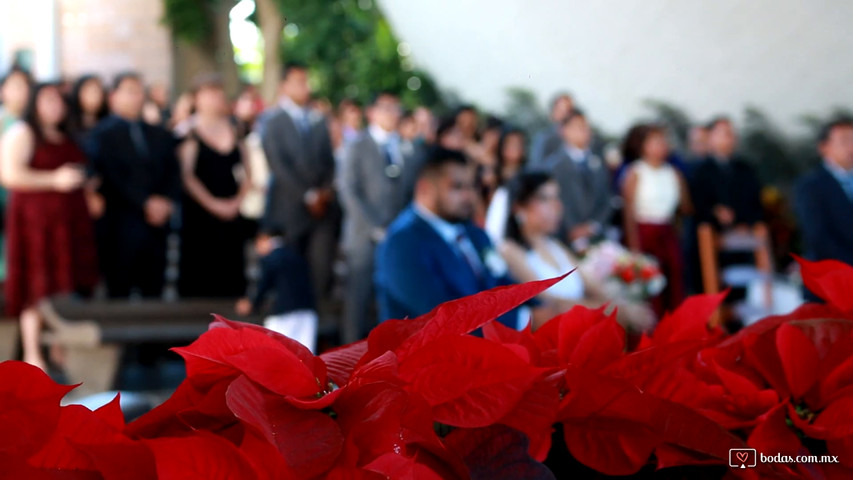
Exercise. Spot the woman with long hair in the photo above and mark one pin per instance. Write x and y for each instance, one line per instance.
(87, 105)
(510, 159)
(533, 252)
(51, 243)
(14, 91)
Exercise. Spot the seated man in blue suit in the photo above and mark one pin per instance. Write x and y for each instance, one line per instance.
(824, 198)
(433, 253)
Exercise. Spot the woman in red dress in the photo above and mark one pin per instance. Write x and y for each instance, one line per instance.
(51, 247)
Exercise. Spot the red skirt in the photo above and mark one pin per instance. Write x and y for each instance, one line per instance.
(50, 248)
(661, 242)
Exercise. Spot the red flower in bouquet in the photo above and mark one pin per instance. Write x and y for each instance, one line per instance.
(649, 272)
(626, 273)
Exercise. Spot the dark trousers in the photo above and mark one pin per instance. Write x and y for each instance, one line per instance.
(319, 246)
(359, 296)
(661, 242)
(133, 255)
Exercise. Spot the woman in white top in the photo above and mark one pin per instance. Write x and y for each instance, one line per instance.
(654, 193)
(533, 253)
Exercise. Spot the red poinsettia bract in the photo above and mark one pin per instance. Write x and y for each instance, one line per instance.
(423, 399)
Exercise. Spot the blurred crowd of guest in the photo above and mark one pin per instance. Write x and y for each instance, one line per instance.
(388, 211)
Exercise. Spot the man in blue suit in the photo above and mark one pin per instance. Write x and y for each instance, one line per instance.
(824, 198)
(433, 253)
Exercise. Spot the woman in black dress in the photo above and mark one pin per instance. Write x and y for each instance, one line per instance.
(216, 177)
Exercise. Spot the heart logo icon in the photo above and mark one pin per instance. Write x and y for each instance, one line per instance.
(742, 456)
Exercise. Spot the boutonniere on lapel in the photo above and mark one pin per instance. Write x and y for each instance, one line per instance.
(494, 262)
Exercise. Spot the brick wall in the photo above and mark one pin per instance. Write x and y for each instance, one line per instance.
(109, 36)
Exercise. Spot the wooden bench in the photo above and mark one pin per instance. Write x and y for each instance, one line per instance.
(94, 333)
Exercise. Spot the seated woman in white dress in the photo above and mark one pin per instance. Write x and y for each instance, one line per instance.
(533, 253)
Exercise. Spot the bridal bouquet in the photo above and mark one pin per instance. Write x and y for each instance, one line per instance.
(622, 273)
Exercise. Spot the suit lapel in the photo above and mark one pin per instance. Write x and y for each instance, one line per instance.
(481, 246)
(835, 190)
(376, 158)
(576, 180)
(455, 270)
(298, 143)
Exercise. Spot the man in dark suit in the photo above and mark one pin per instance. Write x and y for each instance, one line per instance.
(824, 197)
(584, 184)
(377, 182)
(433, 253)
(139, 183)
(549, 140)
(301, 199)
(725, 189)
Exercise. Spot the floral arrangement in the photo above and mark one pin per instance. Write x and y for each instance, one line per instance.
(423, 399)
(622, 273)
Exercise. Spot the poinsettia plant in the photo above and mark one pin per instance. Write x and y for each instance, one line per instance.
(424, 399)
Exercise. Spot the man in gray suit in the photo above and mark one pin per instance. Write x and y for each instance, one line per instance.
(377, 182)
(584, 184)
(549, 140)
(301, 200)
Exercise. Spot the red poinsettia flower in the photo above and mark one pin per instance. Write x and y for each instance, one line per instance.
(29, 409)
(613, 427)
(256, 404)
(690, 321)
(43, 440)
(829, 280)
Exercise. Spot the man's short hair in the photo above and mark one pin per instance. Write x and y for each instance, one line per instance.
(440, 158)
(291, 67)
(827, 128)
(207, 80)
(576, 113)
(556, 99)
(494, 123)
(466, 108)
(712, 124)
(128, 75)
(383, 93)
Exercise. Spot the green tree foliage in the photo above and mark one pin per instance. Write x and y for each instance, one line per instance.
(190, 19)
(772, 152)
(524, 111)
(352, 52)
(673, 117)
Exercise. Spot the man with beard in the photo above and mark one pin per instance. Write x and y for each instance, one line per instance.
(433, 253)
